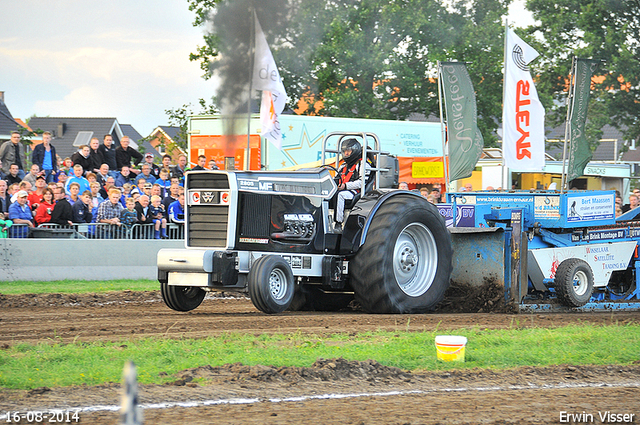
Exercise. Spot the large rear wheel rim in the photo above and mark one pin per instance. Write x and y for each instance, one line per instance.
(415, 259)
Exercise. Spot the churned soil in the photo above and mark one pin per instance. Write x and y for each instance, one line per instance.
(332, 391)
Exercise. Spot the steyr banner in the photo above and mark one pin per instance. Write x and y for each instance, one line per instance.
(523, 114)
(465, 139)
(579, 152)
(267, 78)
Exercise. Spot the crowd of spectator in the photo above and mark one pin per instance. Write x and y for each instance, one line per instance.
(115, 187)
(433, 195)
(634, 202)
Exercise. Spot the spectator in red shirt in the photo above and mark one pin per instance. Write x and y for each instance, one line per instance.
(45, 207)
(36, 196)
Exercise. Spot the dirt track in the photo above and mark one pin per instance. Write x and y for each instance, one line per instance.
(523, 396)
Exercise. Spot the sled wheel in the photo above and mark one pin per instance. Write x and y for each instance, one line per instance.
(313, 298)
(319, 300)
(574, 282)
(299, 301)
(181, 298)
(405, 263)
(271, 284)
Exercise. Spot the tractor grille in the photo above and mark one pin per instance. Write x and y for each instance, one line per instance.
(207, 224)
(256, 215)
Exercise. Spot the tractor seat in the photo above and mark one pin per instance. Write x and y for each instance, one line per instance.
(368, 188)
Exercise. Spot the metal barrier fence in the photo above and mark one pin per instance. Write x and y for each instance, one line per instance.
(42, 260)
(93, 231)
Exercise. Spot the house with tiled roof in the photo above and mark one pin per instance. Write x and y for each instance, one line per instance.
(611, 147)
(7, 123)
(164, 139)
(69, 133)
(632, 156)
(128, 130)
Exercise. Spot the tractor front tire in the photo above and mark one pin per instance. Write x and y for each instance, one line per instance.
(271, 284)
(574, 282)
(181, 298)
(404, 265)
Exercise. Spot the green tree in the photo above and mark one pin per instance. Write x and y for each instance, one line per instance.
(371, 58)
(598, 29)
(205, 53)
(377, 59)
(179, 117)
(479, 40)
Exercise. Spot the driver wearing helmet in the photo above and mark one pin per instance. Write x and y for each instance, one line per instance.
(348, 179)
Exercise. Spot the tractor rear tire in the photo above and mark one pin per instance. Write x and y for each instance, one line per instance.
(271, 284)
(181, 298)
(404, 265)
(574, 282)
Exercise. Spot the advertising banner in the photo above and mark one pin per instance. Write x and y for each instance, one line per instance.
(523, 114)
(464, 137)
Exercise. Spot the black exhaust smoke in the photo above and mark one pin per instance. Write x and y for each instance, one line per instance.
(233, 26)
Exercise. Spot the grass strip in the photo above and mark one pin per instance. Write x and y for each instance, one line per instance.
(54, 364)
(77, 286)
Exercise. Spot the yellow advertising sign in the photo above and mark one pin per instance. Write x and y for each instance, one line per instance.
(427, 170)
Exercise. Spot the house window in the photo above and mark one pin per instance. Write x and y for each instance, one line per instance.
(83, 138)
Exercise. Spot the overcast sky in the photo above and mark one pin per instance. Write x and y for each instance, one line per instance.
(127, 59)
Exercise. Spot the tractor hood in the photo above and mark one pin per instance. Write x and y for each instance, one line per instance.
(313, 183)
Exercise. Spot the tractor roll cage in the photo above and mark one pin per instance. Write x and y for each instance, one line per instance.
(365, 149)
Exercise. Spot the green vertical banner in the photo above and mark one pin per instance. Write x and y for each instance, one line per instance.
(464, 137)
(579, 152)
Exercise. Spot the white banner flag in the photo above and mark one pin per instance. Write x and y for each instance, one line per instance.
(523, 114)
(267, 78)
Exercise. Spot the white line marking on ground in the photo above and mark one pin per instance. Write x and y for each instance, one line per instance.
(173, 404)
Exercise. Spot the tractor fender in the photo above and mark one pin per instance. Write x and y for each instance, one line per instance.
(359, 220)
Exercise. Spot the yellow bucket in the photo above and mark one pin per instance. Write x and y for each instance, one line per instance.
(450, 348)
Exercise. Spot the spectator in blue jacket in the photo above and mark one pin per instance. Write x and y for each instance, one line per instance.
(124, 176)
(96, 199)
(146, 174)
(156, 211)
(164, 181)
(44, 156)
(82, 209)
(129, 216)
(20, 213)
(78, 178)
(176, 209)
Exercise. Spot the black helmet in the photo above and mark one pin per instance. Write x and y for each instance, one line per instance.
(356, 151)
